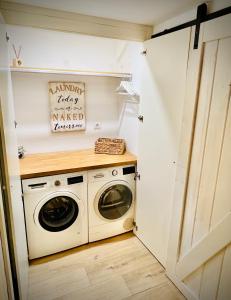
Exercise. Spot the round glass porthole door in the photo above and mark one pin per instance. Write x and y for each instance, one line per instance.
(58, 213)
(115, 201)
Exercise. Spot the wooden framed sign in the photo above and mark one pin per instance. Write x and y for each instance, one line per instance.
(67, 106)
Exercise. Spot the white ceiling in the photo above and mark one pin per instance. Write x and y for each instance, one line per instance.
(138, 11)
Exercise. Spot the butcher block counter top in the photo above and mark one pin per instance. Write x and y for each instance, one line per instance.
(45, 164)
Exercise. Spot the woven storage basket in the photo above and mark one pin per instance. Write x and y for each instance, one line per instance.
(110, 146)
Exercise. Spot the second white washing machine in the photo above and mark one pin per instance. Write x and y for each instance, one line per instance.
(111, 201)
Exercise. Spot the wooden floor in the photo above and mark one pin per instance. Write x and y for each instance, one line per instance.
(116, 268)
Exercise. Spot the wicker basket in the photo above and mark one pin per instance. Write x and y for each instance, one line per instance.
(110, 146)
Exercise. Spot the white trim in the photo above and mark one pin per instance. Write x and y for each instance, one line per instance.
(6, 285)
(3, 284)
(33, 16)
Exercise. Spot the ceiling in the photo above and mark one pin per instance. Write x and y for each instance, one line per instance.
(149, 12)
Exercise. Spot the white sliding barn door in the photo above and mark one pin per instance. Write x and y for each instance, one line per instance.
(10, 172)
(162, 99)
(199, 259)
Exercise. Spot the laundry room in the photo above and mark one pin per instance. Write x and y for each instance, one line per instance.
(115, 150)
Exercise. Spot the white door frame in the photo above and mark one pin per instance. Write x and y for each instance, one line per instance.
(3, 280)
(6, 286)
(10, 178)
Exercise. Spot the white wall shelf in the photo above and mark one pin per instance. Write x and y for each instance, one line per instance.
(70, 72)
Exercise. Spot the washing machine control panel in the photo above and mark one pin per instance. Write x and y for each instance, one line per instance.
(114, 172)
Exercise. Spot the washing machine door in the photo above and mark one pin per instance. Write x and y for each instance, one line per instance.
(114, 200)
(57, 212)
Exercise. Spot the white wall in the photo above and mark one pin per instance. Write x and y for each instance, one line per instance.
(53, 49)
(32, 112)
(128, 127)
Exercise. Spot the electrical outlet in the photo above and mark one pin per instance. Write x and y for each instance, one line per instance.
(97, 126)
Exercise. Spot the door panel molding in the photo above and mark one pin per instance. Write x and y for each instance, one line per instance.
(210, 245)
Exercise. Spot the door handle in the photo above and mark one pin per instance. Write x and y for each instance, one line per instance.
(113, 204)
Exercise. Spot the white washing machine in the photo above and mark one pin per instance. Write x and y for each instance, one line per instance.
(111, 201)
(55, 212)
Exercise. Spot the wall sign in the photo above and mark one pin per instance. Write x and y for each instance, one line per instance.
(67, 104)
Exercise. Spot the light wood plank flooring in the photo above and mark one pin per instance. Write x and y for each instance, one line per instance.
(116, 268)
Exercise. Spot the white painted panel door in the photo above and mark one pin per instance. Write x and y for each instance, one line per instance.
(200, 251)
(162, 98)
(11, 166)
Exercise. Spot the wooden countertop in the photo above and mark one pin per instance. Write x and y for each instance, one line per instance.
(45, 164)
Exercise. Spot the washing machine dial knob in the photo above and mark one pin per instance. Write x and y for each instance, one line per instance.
(114, 172)
(57, 182)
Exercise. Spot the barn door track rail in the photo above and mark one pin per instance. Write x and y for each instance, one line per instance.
(202, 16)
